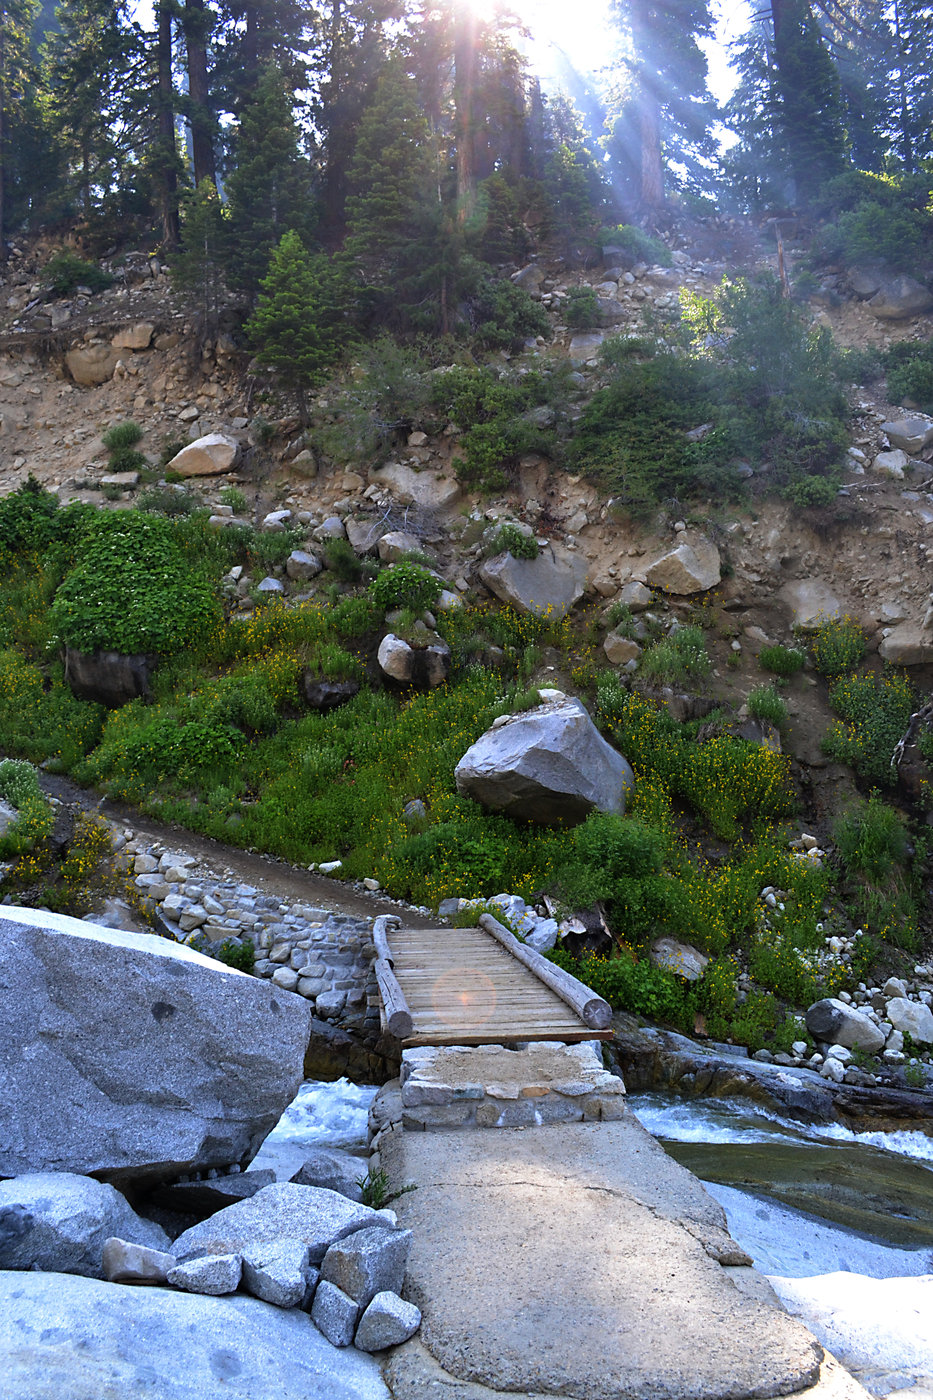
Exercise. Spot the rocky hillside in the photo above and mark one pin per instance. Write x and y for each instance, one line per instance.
(73, 367)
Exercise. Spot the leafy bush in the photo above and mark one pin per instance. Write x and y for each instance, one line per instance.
(766, 704)
(19, 781)
(639, 245)
(34, 822)
(632, 438)
(132, 590)
(910, 373)
(872, 231)
(680, 659)
(121, 436)
(508, 537)
(875, 713)
(242, 956)
(405, 586)
(727, 779)
(506, 316)
(66, 271)
(630, 985)
(491, 410)
(837, 647)
(233, 497)
(342, 559)
(782, 661)
(581, 309)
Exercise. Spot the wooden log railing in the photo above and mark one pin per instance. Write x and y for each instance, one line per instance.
(398, 1018)
(592, 1010)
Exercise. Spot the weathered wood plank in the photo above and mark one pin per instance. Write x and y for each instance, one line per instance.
(398, 1016)
(593, 1010)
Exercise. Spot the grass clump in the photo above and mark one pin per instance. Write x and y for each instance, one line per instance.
(680, 659)
(782, 661)
(871, 839)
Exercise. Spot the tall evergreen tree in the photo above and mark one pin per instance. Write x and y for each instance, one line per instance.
(95, 73)
(663, 110)
(269, 188)
(17, 73)
(808, 97)
(297, 327)
(402, 244)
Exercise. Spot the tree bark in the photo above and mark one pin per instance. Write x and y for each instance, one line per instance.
(166, 166)
(202, 145)
(2, 137)
(465, 26)
(651, 192)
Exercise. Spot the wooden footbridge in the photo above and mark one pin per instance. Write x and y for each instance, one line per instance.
(478, 986)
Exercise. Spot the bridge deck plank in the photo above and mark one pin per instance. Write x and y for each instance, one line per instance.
(464, 988)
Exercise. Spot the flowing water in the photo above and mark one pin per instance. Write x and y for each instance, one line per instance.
(841, 1222)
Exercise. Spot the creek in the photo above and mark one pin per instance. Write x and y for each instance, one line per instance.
(841, 1222)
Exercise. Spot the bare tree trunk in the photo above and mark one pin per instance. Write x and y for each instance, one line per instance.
(166, 169)
(196, 23)
(651, 196)
(464, 76)
(2, 137)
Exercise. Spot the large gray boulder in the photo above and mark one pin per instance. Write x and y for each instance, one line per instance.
(310, 1214)
(834, 1021)
(899, 298)
(110, 678)
(692, 567)
(336, 1171)
(432, 490)
(913, 1017)
(551, 583)
(810, 602)
(909, 434)
(62, 1336)
(130, 1056)
(549, 765)
(206, 456)
(58, 1222)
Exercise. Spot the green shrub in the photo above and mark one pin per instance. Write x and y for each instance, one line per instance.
(782, 661)
(727, 779)
(33, 824)
(405, 586)
(874, 714)
(508, 537)
(233, 497)
(66, 271)
(242, 956)
(910, 373)
(121, 436)
(642, 246)
(506, 316)
(168, 501)
(19, 781)
(132, 590)
(837, 647)
(871, 839)
(766, 704)
(628, 985)
(872, 231)
(680, 659)
(341, 558)
(581, 309)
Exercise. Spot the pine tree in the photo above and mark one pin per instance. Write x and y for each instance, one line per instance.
(95, 72)
(198, 266)
(400, 239)
(16, 75)
(663, 110)
(268, 190)
(297, 327)
(808, 97)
